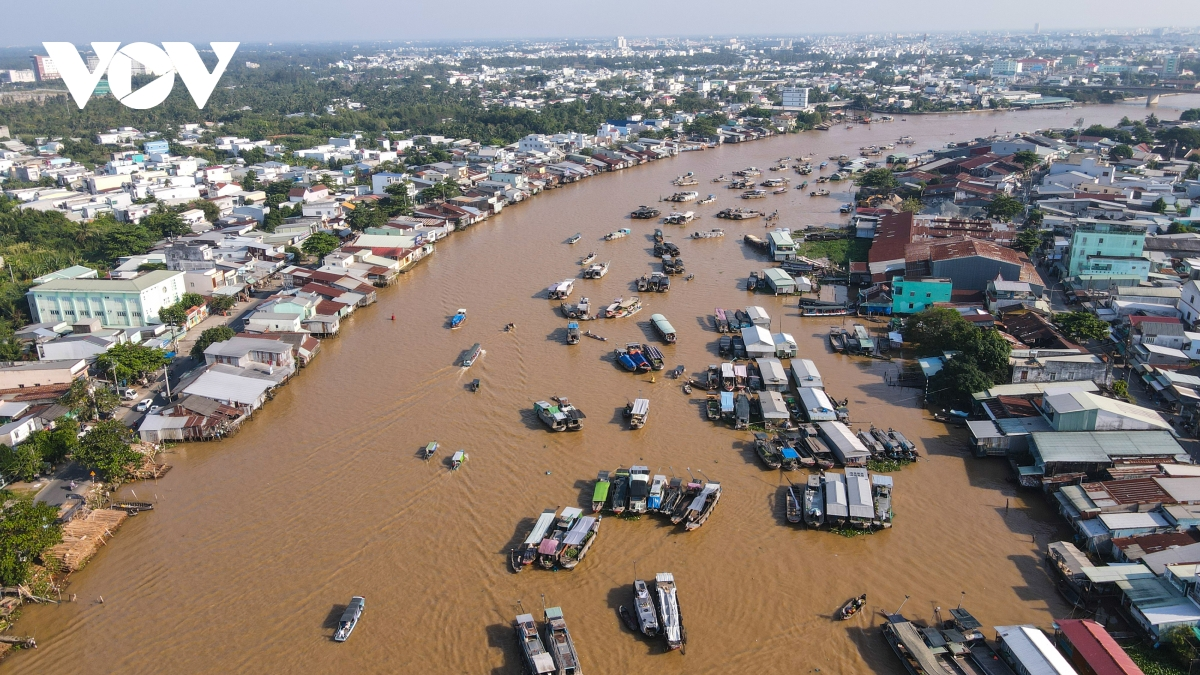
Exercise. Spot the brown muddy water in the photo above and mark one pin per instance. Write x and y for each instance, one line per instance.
(258, 538)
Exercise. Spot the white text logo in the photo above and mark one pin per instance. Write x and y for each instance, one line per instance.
(117, 61)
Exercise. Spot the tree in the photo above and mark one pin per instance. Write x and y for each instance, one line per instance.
(1081, 326)
(1191, 115)
(129, 361)
(320, 244)
(1121, 389)
(221, 303)
(212, 212)
(957, 380)
(105, 449)
(164, 223)
(208, 337)
(882, 180)
(1027, 241)
(444, 190)
(1035, 218)
(366, 214)
(1120, 152)
(398, 202)
(26, 531)
(250, 181)
(989, 351)
(1004, 208)
(151, 267)
(936, 330)
(911, 205)
(1159, 205)
(22, 462)
(1027, 158)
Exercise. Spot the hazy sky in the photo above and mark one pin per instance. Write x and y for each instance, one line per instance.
(81, 21)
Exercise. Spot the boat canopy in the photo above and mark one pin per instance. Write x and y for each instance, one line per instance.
(858, 492)
(579, 531)
(601, 492)
(548, 546)
(698, 503)
(790, 453)
(570, 513)
(836, 503)
(662, 324)
(727, 401)
(573, 325)
(726, 370)
(543, 663)
(641, 406)
(539, 529)
(739, 370)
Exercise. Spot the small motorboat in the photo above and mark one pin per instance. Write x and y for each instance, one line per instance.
(587, 259)
(472, 356)
(474, 385)
(647, 619)
(575, 238)
(458, 459)
(459, 318)
(853, 606)
(687, 387)
(349, 618)
(429, 450)
(627, 618)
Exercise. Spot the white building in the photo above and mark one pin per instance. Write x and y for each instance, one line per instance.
(795, 97)
(117, 303)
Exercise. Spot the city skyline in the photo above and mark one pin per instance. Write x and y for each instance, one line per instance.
(82, 22)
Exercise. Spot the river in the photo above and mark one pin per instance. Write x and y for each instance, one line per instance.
(256, 539)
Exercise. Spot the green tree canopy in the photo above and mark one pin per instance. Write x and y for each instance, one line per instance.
(1120, 152)
(105, 450)
(1159, 205)
(209, 336)
(1027, 158)
(26, 531)
(936, 330)
(366, 214)
(221, 303)
(957, 380)
(1028, 240)
(212, 213)
(22, 462)
(320, 244)
(1080, 326)
(878, 179)
(1004, 208)
(130, 362)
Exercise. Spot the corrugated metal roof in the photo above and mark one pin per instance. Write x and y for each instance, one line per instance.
(227, 387)
(135, 285)
(1132, 521)
(1182, 490)
(1100, 446)
(1117, 572)
(1033, 650)
(806, 374)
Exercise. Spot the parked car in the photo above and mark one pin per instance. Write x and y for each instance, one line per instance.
(155, 408)
(144, 405)
(129, 394)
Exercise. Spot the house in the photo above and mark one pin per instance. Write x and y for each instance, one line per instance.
(781, 245)
(1105, 249)
(74, 347)
(249, 353)
(1189, 303)
(1064, 457)
(758, 342)
(774, 377)
(17, 431)
(1085, 411)
(309, 194)
(779, 281)
(29, 374)
(912, 296)
(1002, 294)
(806, 375)
(1027, 650)
(1032, 366)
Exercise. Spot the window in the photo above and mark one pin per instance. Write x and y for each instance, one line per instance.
(912, 294)
(910, 305)
(1101, 240)
(929, 295)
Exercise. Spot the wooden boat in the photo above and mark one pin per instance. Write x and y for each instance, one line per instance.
(702, 506)
(853, 606)
(553, 545)
(739, 214)
(643, 283)
(690, 490)
(644, 213)
(573, 332)
(472, 355)
(711, 234)
(819, 193)
(708, 200)
(643, 603)
(659, 282)
(664, 328)
(587, 258)
(837, 339)
(670, 617)
(671, 496)
(575, 238)
(712, 378)
(132, 508)
(560, 416)
(474, 386)
(820, 451)
(623, 232)
(814, 501)
(657, 487)
(561, 289)
(790, 459)
(595, 337)
(562, 648)
(881, 496)
(754, 194)
(679, 217)
(712, 408)
(779, 191)
(721, 320)
(795, 509)
(429, 450)
(458, 459)
(637, 412)
(600, 492)
(459, 318)
(680, 197)
(639, 488)
(910, 450)
(349, 619)
(528, 551)
(537, 659)
(596, 271)
(620, 491)
(766, 452)
(632, 358)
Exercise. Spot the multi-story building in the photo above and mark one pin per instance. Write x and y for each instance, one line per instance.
(1107, 250)
(117, 303)
(44, 68)
(795, 97)
(911, 296)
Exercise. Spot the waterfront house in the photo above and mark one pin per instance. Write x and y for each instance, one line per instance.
(846, 447)
(758, 342)
(781, 245)
(1027, 650)
(1085, 411)
(774, 377)
(1091, 650)
(779, 281)
(118, 303)
(785, 345)
(805, 372)
(910, 296)
(250, 353)
(816, 405)
(1064, 457)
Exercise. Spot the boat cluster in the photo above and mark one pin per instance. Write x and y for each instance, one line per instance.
(633, 491)
(656, 611)
(557, 653)
(856, 499)
(559, 415)
(560, 539)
